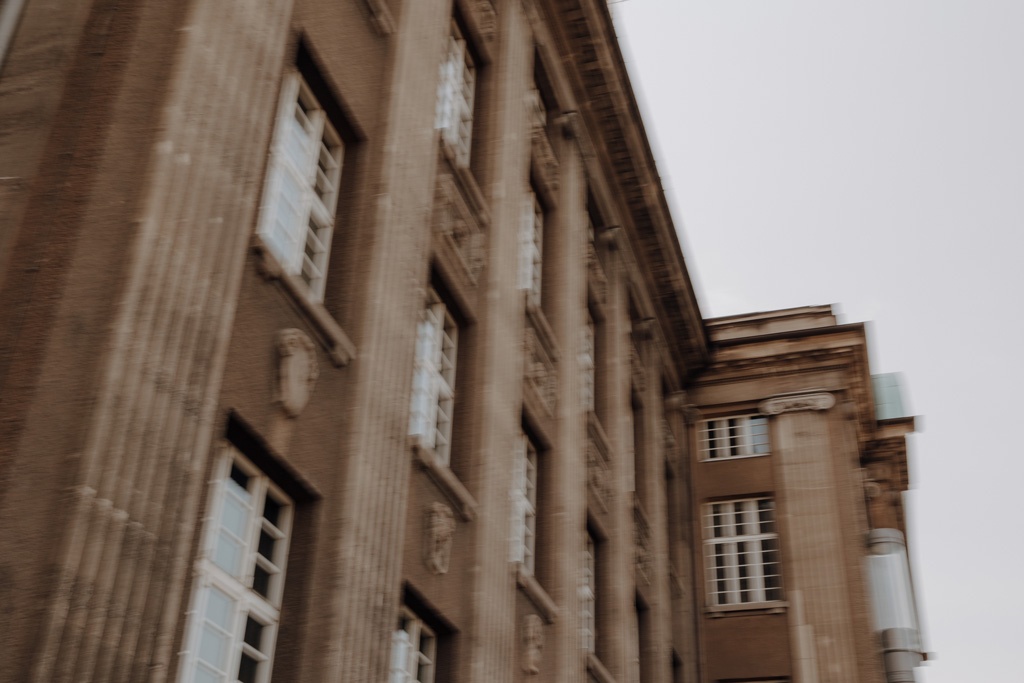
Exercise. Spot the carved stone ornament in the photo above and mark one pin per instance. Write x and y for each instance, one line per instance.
(297, 370)
(789, 404)
(440, 532)
(533, 644)
(488, 20)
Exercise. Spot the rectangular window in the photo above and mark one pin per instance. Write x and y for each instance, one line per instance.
(524, 504)
(588, 597)
(413, 651)
(301, 194)
(433, 385)
(740, 436)
(240, 577)
(588, 365)
(741, 552)
(531, 240)
(455, 91)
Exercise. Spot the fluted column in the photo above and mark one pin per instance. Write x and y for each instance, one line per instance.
(121, 565)
(619, 619)
(658, 656)
(493, 632)
(566, 280)
(373, 483)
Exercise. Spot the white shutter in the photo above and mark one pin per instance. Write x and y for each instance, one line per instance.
(423, 411)
(518, 502)
(587, 365)
(526, 243)
(446, 90)
(400, 651)
(466, 84)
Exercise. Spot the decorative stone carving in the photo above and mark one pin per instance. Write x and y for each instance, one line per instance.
(539, 370)
(486, 20)
(545, 163)
(595, 274)
(788, 404)
(454, 221)
(533, 644)
(297, 370)
(636, 366)
(668, 441)
(440, 532)
(597, 472)
(642, 544)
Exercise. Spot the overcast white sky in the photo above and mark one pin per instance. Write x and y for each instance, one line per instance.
(871, 154)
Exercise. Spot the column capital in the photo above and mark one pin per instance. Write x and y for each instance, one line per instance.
(819, 400)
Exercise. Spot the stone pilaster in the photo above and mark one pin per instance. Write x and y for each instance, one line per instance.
(492, 632)
(658, 657)
(374, 483)
(811, 533)
(566, 281)
(619, 619)
(121, 568)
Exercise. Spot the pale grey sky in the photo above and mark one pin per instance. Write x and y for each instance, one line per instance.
(871, 154)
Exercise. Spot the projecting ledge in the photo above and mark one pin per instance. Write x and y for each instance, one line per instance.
(546, 607)
(339, 347)
(445, 479)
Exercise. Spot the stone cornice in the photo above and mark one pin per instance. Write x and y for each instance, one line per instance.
(616, 130)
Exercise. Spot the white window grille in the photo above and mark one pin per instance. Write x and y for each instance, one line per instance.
(235, 609)
(433, 384)
(588, 365)
(524, 504)
(301, 194)
(741, 552)
(588, 597)
(413, 651)
(531, 240)
(740, 436)
(455, 91)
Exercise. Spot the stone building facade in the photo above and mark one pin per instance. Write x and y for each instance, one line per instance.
(352, 340)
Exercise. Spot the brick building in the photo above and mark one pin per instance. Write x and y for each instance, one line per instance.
(352, 340)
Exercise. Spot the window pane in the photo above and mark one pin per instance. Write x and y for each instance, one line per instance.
(266, 546)
(228, 554)
(213, 647)
(239, 477)
(271, 510)
(247, 669)
(253, 633)
(261, 581)
(235, 514)
(219, 608)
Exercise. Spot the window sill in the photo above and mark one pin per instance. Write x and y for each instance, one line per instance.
(735, 457)
(445, 480)
(776, 607)
(596, 669)
(467, 183)
(339, 347)
(538, 596)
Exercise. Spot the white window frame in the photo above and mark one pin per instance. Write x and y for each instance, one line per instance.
(300, 197)
(588, 596)
(413, 650)
(217, 581)
(456, 89)
(531, 247)
(523, 547)
(433, 392)
(742, 565)
(734, 436)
